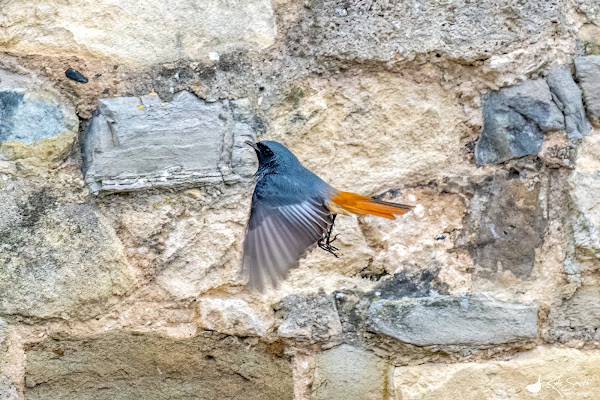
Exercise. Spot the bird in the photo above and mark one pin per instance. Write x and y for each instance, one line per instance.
(292, 211)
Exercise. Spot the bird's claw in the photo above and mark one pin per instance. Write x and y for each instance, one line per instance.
(325, 244)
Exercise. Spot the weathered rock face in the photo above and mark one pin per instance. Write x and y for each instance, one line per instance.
(141, 142)
(124, 198)
(312, 319)
(7, 389)
(448, 320)
(585, 219)
(146, 34)
(567, 96)
(506, 224)
(576, 318)
(124, 365)
(561, 373)
(589, 34)
(230, 316)
(514, 122)
(347, 372)
(588, 73)
(406, 30)
(35, 122)
(59, 260)
(391, 128)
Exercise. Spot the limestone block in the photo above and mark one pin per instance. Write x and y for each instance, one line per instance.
(140, 33)
(310, 318)
(135, 143)
(584, 184)
(402, 30)
(544, 373)
(230, 316)
(58, 260)
(349, 373)
(576, 318)
(453, 320)
(122, 365)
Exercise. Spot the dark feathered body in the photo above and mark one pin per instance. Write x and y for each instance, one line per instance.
(293, 209)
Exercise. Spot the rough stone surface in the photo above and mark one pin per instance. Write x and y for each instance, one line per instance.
(562, 373)
(576, 318)
(347, 373)
(7, 389)
(140, 142)
(381, 98)
(584, 185)
(453, 320)
(310, 318)
(123, 365)
(567, 96)
(58, 260)
(34, 119)
(588, 74)
(591, 8)
(589, 34)
(148, 33)
(505, 225)
(370, 122)
(404, 30)
(230, 316)
(27, 120)
(202, 252)
(514, 121)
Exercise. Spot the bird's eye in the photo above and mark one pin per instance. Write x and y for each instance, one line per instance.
(267, 151)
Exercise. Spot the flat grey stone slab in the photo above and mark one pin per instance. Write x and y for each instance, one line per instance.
(135, 143)
(453, 320)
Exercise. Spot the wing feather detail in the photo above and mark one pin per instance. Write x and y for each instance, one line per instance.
(278, 236)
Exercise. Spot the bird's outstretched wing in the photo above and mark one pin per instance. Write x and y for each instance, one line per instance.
(277, 236)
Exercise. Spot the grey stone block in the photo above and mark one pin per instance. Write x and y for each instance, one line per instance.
(591, 8)
(28, 119)
(587, 70)
(505, 225)
(453, 320)
(567, 97)
(135, 143)
(515, 120)
(310, 318)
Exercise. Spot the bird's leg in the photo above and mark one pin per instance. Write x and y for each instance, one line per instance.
(325, 241)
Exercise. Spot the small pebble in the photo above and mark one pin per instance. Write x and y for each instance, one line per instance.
(76, 76)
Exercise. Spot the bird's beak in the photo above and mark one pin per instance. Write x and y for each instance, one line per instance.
(251, 144)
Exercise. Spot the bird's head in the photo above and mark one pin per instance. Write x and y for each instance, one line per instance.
(272, 155)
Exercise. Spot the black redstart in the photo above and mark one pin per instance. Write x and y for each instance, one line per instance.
(292, 210)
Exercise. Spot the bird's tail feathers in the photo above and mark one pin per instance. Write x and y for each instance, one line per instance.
(362, 205)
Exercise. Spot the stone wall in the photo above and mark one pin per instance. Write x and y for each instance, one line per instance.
(125, 189)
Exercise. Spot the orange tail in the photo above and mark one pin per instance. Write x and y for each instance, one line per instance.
(345, 202)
